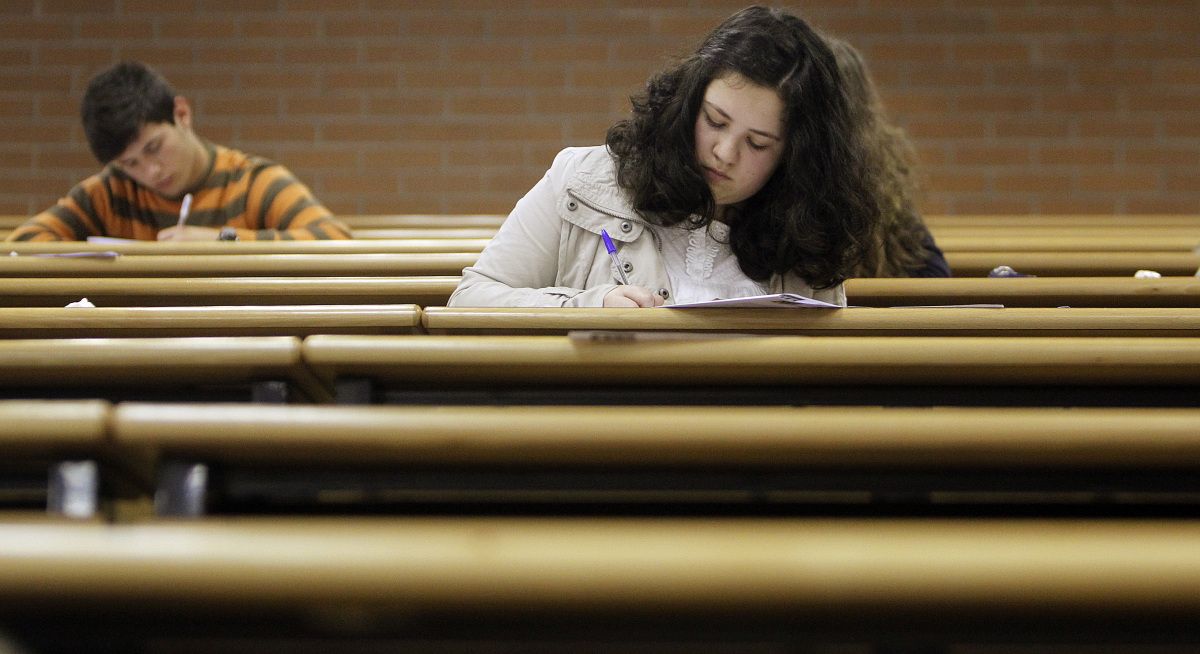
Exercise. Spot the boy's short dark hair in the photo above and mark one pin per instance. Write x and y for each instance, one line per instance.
(118, 102)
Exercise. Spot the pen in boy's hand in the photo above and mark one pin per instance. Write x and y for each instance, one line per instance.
(612, 252)
(184, 209)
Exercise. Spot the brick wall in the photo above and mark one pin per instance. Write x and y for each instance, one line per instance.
(1071, 106)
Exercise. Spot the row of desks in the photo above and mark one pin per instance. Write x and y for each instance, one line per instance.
(604, 584)
(640, 369)
(333, 258)
(401, 241)
(436, 290)
(228, 459)
(433, 221)
(308, 320)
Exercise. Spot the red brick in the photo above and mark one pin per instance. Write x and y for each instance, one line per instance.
(323, 105)
(362, 27)
(275, 28)
(14, 29)
(1119, 181)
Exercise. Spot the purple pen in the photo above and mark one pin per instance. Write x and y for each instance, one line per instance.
(612, 252)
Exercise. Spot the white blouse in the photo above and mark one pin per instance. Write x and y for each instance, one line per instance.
(701, 264)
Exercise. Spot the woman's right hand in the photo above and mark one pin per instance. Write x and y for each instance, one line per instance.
(632, 296)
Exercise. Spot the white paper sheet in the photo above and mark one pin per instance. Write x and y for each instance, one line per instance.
(778, 300)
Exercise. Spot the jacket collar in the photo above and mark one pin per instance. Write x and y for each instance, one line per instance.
(595, 184)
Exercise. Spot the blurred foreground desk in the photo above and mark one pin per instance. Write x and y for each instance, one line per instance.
(241, 459)
(701, 585)
(267, 368)
(862, 321)
(221, 291)
(740, 369)
(52, 456)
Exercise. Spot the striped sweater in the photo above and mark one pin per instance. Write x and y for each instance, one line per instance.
(261, 199)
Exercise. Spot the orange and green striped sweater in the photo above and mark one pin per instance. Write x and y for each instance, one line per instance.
(260, 198)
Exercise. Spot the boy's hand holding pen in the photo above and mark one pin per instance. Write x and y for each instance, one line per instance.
(626, 295)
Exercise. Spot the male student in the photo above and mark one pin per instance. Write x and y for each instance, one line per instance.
(141, 131)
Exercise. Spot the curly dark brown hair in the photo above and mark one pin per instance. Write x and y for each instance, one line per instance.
(815, 215)
(900, 243)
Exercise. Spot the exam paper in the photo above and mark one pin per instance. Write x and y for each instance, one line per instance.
(762, 301)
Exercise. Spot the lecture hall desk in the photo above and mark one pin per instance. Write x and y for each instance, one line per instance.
(433, 291)
(221, 291)
(53, 450)
(1027, 291)
(200, 265)
(359, 246)
(955, 241)
(724, 460)
(261, 367)
(547, 581)
(860, 321)
(132, 322)
(739, 369)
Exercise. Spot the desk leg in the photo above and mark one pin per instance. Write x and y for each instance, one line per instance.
(352, 391)
(74, 489)
(269, 392)
(182, 489)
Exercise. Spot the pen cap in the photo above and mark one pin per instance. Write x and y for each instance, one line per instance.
(608, 244)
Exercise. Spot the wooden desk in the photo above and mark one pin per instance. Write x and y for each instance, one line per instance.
(468, 233)
(220, 291)
(731, 369)
(159, 368)
(433, 221)
(1028, 291)
(423, 221)
(728, 459)
(863, 321)
(1064, 220)
(954, 240)
(966, 240)
(1074, 264)
(199, 265)
(788, 581)
(294, 320)
(435, 291)
(381, 246)
(52, 451)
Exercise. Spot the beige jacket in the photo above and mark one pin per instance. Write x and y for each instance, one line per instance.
(548, 252)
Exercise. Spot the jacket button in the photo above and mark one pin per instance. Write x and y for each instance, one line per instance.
(664, 293)
(626, 227)
(627, 267)
(572, 205)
